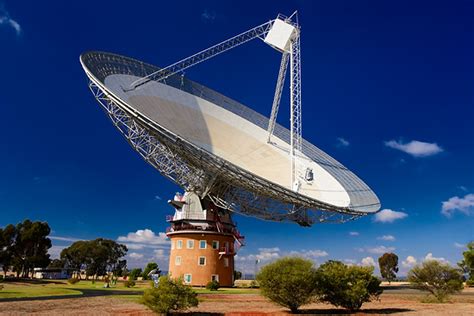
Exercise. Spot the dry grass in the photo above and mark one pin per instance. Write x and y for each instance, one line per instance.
(395, 301)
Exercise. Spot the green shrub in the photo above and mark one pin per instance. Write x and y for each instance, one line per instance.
(347, 286)
(170, 295)
(213, 285)
(254, 284)
(2, 278)
(289, 282)
(129, 283)
(135, 273)
(470, 283)
(72, 280)
(439, 279)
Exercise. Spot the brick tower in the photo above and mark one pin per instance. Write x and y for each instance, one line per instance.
(204, 241)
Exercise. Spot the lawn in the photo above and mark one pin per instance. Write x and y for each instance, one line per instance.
(38, 288)
(20, 289)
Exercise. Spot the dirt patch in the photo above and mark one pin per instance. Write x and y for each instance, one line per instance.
(77, 306)
(239, 304)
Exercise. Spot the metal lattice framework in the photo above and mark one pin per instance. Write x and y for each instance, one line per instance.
(195, 169)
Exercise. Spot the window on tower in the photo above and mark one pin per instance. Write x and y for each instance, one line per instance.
(226, 262)
(215, 277)
(202, 244)
(190, 244)
(177, 260)
(215, 244)
(179, 244)
(202, 261)
(188, 278)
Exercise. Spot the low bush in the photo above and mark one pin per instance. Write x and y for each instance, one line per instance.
(213, 285)
(439, 279)
(73, 280)
(170, 295)
(346, 286)
(470, 283)
(2, 278)
(289, 282)
(129, 283)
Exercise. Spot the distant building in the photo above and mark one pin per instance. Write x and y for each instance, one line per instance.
(52, 273)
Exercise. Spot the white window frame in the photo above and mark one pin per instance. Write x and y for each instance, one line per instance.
(199, 261)
(190, 278)
(189, 244)
(177, 260)
(205, 244)
(215, 276)
(226, 262)
(217, 244)
(179, 244)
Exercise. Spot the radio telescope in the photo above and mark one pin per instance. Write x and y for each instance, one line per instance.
(222, 151)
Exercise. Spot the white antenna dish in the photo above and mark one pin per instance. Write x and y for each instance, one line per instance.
(216, 147)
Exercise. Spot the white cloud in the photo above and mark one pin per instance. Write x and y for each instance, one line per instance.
(368, 261)
(5, 19)
(274, 249)
(135, 246)
(157, 197)
(311, 254)
(350, 262)
(415, 148)
(341, 142)
(464, 205)
(135, 255)
(463, 188)
(159, 254)
(388, 216)
(409, 262)
(353, 233)
(386, 238)
(458, 245)
(145, 236)
(246, 263)
(379, 250)
(429, 256)
(71, 239)
(55, 251)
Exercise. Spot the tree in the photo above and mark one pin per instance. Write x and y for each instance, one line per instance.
(150, 266)
(31, 247)
(120, 269)
(237, 275)
(289, 282)
(98, 257)
(347, 286)
(467, 264)
(76, 256)
(388, 264)
(135, 273)
(170, 295)
(7, 243)
(439, 279)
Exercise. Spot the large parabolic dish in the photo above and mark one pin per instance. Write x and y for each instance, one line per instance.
(212, 145)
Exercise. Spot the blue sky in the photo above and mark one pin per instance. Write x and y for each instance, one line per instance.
(387, 91)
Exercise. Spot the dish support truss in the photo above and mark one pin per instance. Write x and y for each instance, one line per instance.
(195, 170)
